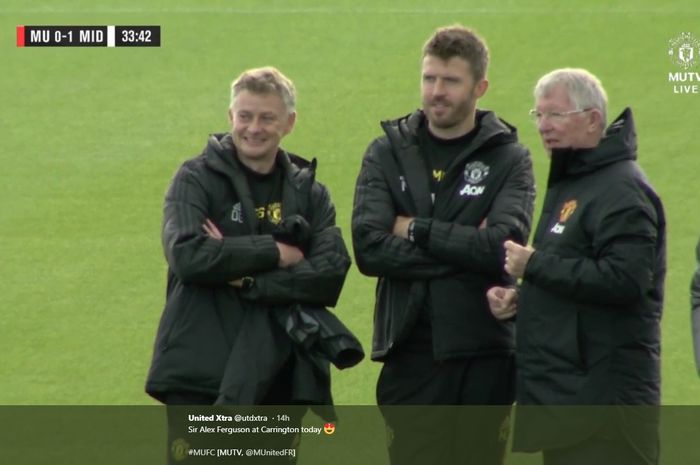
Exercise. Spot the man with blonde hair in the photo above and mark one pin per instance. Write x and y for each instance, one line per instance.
(590, 303)
(247, 233)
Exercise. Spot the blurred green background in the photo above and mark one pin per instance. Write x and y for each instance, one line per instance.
(90, 137)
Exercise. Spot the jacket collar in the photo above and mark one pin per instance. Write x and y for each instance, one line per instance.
(298, 175)
(403, 137)
(619, 143)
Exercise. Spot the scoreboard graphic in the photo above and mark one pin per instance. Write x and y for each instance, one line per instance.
(88, 36)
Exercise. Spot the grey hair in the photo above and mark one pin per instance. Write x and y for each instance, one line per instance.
(265, 81)
(584, 89)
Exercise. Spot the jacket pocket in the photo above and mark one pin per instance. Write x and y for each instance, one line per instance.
(395, 312)
(560, 337)
(181, 308)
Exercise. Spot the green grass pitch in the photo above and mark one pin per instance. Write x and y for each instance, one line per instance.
(89, 139)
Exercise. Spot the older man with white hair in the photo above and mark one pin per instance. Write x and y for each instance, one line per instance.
(589, 306)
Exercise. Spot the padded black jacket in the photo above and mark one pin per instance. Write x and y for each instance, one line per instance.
(591, 300)
(453, 261)
(203, 314)
(695, 306)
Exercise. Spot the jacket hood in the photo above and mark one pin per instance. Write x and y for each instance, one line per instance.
(618, 143)
(220, 155)
(492, 131)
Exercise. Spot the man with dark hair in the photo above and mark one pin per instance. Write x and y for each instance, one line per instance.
(590, 304)
(247, 233)
(435, 198)
(450, 42)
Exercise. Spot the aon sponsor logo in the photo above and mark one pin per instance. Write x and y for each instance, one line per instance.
(558, 229)
(472, 191)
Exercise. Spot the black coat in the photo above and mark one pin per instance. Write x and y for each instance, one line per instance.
(453, 260)
(695, 305)
(203, 314)
(590, 304)
(312, 335)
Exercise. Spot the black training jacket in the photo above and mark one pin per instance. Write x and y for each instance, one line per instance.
(591, 300)
(452, 261)
(695, 305)
(203, 314)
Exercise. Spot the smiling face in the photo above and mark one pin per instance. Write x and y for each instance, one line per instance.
(258, 124)
(559, 129)
(449, 95)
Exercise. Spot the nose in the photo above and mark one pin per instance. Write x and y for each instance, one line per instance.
(438, 87)
(543, 124)
(255, 125)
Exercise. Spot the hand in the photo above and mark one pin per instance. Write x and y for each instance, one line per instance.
(503, 302)
(289, 255)
(517, 257)
(484, 224)
(401, 226)
(211, 230)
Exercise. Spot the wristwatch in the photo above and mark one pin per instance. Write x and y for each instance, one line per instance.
(247, 283)
(412, 231)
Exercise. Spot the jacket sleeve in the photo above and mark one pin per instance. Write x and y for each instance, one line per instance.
(695, 303)
(191, 254)
(622, 265)
(510, 217)
(319, 278)
(377, 251)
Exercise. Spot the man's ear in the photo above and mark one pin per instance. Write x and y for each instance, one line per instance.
(480, 88)
(291, 120)
(595, 121)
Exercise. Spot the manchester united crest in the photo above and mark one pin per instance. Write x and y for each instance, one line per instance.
(567, 210)
(475, 172)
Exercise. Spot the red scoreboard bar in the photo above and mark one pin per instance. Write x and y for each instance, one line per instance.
(88, 36)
